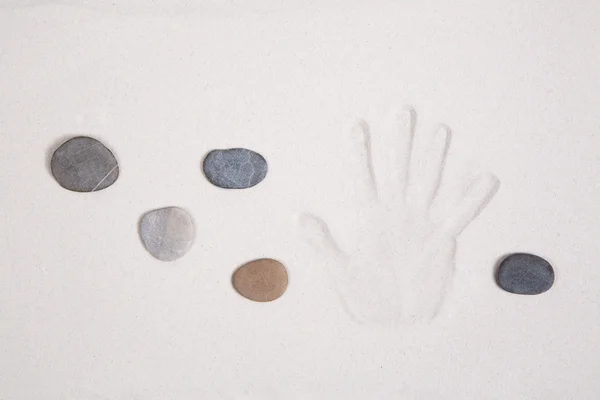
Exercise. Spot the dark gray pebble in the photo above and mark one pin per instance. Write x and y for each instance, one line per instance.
(235, 168)
(83, 164)
(525, 274)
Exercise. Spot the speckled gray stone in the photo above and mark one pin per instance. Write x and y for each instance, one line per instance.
(167, 233)
(83, 164)
(525, 274)
(235, 168)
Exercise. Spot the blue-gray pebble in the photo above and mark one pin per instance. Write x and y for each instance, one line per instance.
(525, 274)
(235, 168)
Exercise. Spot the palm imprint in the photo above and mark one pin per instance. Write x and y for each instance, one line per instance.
(402, 261)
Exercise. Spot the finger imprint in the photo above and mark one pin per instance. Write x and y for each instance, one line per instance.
(316, 232)
(478, 195)
(396, 150)
(365, 179)
(403, 128)
(427, 179)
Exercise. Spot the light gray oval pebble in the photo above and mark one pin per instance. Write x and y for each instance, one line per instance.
(523, 273)
(83, 164)
(167, 233)
(235, 168)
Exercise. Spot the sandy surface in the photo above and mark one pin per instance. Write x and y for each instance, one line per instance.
(87, 313)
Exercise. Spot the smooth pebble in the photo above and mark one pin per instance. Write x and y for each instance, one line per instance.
(523, 273)
(83, 164)
(235, 168)
(167, 233)
(261, 280)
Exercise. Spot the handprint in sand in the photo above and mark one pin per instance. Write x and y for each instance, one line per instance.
(415, 254)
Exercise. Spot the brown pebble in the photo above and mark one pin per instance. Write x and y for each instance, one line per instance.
(261, 280)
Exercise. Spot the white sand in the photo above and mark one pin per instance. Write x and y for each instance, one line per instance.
(86, 314)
